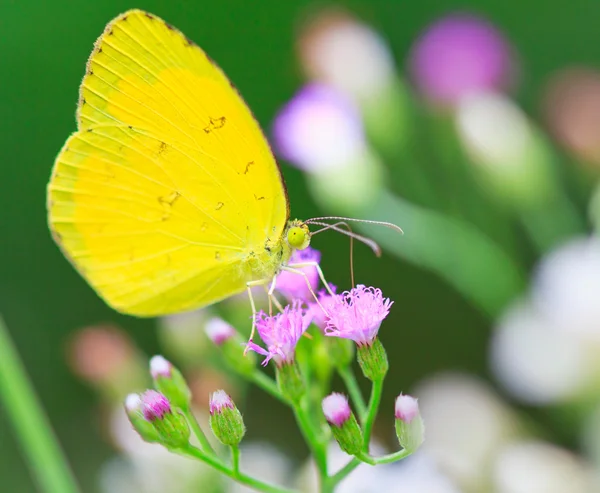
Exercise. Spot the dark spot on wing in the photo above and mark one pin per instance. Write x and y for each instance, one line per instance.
(110, 33)
(219, 206)
(258, 198)
(124, 18)
(169, 26)
(89, 129)
(248, 164)
(130, 127)
(169, 199)
(162, 147)
(150, 16)
(215, 124)
(99, 50)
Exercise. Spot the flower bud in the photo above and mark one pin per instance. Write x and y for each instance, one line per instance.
(169, 381)
(172, 428)
(226, 337)
(226, 420)
(409, 424)
(133, 408)
(373, 361)
(290, 381)
(343, 423)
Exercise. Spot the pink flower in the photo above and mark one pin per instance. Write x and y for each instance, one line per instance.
(357, 315)
(293, 286)
(281, 333)
(154, 405)
(219, 331)
(321, 313)
(336, 409)
(406, 408)
(220, 400)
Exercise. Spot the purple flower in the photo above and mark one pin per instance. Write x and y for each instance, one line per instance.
(321, 313)
(219, 331)
(336, 409)
(218, 401)
(357, 315)
(458, 55)
(281, 333)
(406, 408)
(154, 405)
(293, 286)
(318, 129)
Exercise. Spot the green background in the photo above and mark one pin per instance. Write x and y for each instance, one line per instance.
(43, 49)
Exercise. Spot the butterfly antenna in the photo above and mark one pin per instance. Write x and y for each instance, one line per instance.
(316, 220)
(363, 239)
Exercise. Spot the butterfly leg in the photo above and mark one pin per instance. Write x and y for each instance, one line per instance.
(249, 286)
(293, 270)
(319, 271)
(273, 298)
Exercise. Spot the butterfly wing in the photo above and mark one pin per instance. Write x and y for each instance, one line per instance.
(169, 183)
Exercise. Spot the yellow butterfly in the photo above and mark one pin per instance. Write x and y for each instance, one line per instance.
(168, 197)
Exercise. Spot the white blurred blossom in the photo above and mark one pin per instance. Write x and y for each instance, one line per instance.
(338, 50)
(540, 467)
(466, 424)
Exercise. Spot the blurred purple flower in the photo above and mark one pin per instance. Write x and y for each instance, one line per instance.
(336, 409)
(317, 129)
(293, 286)
(154, 405)
(460, 54)
(326, 302)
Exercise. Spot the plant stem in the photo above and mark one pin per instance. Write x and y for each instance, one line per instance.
(354, 390)
(374, 401)
(204, 443)
(344, 471)
(33, 431)
(385, 459)
(312, 440)
(235, 458)
(191, 451)
(267, 384)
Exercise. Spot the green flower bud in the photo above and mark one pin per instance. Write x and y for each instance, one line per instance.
(343, 423)
(409, 424)
(373, 361)
(289, 380)
(170, 382)
(172, 428)
(226, 421)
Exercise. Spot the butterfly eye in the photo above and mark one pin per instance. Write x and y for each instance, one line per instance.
(298, 237)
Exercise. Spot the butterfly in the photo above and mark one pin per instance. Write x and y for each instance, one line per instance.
(167, 197)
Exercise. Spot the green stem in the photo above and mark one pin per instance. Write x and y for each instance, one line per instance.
(204, 443)
(235, 458)
(353, 389)
(191, 451)
(267, 384)
(37, 440)
(385, 459)
(315, 444)
(344, 471)
(374, 401)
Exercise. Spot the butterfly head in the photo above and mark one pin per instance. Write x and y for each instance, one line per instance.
(298, 234)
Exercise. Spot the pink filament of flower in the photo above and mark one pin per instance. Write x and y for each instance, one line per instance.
(154, 405)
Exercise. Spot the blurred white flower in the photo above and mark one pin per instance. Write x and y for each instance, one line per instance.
(466, 424)
(540, 467)
(337, 49)
(566, 288)
(507, 150)
(534, 361)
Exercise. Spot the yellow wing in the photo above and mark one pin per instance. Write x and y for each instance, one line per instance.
(168, 186)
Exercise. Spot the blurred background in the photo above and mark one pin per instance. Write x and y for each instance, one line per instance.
(475, 126)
